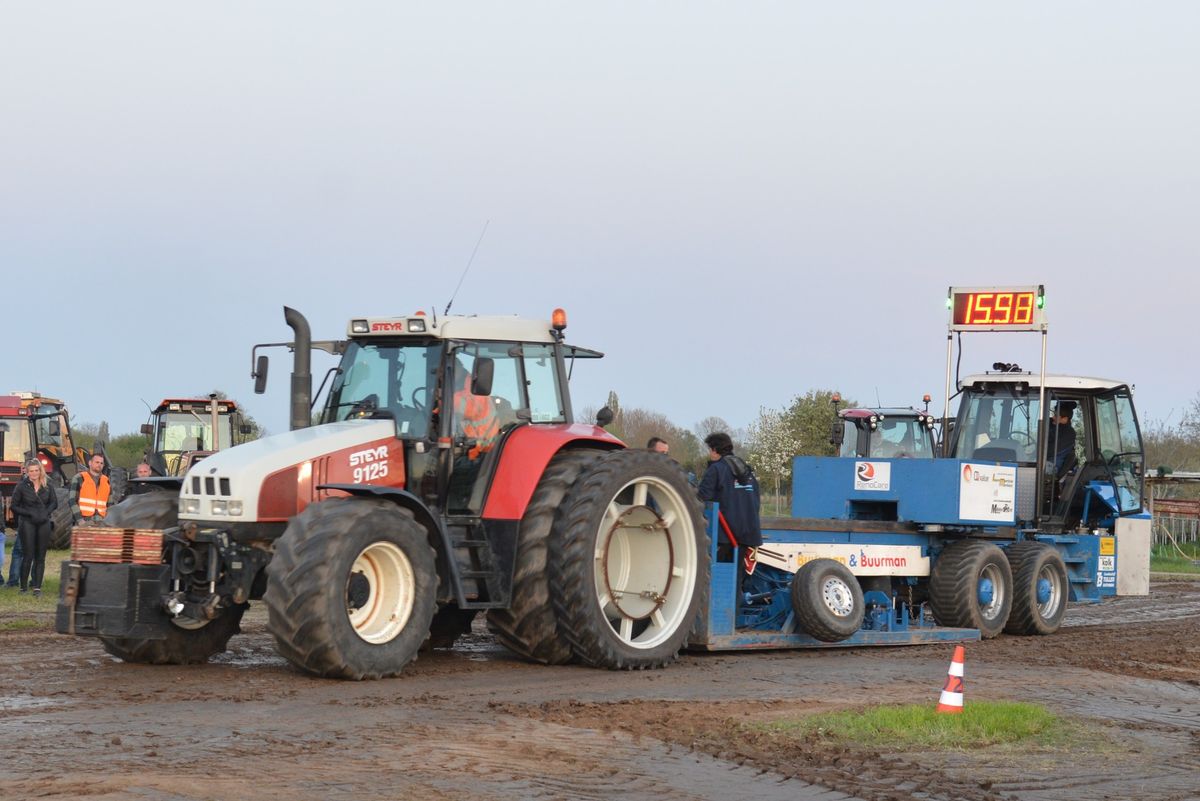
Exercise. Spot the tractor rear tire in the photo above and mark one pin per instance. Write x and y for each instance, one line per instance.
(448, 624)
(827, 600)
(971, 587)
(61, 519)
(352, 588)
(629, 581)
(182, 646)
(528, 627)
(1032, 564)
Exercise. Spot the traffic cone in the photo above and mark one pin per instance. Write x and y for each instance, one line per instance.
(951, 701)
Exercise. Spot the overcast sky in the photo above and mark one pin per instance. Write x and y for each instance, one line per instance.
(735, 202)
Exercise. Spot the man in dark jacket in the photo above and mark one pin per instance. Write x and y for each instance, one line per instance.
(731, 483)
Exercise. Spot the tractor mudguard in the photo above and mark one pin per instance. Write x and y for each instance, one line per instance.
(527, 451)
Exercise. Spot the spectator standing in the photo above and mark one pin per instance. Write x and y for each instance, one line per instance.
(33, 502)
(730, 482)
(143, 470)
(14, 564)
(90, 492)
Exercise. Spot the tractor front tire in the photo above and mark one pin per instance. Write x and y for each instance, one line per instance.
(1040, 588)
(352, 588)
(827, 600)
(629, 568)
(971, 587)
(527, 627)
(182, 646)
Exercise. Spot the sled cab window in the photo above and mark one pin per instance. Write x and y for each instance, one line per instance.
(386, 380)
(997, 426)
(1121, 447)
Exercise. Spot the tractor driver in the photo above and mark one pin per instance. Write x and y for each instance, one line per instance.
(475, 422)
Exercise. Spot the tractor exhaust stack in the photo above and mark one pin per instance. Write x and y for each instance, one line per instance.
(302, 369)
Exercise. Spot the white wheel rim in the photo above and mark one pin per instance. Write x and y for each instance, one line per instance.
(837, 596)
(646, 563)
(390, 593)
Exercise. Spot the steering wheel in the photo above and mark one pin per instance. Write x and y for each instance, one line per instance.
(364, 407)
(1116, 457)
(419, 405)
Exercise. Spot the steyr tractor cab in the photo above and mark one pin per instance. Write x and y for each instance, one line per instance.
(883, 433)
(1091, 465)
(33, 426)
(447, 475)
(185, 430)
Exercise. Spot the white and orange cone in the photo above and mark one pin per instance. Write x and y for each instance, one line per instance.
(951, 701)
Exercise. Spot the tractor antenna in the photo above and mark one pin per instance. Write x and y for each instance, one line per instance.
(878, 402)
(467, 269)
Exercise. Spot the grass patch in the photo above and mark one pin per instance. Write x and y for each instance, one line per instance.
(1167, 559)
(920, 728)
(23, 611)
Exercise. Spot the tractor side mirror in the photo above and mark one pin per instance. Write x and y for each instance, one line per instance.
(147, 429)
(837, 433)
(260, 375)
(54, 428)
(481, 376)
(604, 417)
(245, 428)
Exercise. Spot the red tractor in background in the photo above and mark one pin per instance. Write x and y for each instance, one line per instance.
(33, 426)
(185, 430)
(447, 476)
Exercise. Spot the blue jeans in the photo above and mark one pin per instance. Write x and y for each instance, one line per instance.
(14, 567)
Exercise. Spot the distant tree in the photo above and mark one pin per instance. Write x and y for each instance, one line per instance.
(102, 435)
(808, 419)
(711, 425)
(126, 450)
(772, 444)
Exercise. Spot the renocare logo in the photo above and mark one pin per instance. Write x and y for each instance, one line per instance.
(872, 476)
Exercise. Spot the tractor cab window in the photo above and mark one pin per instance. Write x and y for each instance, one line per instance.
(541, 380)
(15, 445)
(398, 380)
(900, 438)
(849, 447)
(179, 432)
(51, 432)
(997, 426)
(1121, 447)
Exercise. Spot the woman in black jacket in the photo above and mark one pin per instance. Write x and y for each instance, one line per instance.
(33, 502)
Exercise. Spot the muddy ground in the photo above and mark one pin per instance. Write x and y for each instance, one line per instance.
(476, 723)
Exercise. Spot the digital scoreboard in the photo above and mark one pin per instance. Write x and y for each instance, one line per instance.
(997, 308)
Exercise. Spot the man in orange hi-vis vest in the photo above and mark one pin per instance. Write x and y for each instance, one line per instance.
(475, 419)
(90, 493)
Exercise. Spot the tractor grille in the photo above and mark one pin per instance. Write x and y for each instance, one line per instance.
(137, 546)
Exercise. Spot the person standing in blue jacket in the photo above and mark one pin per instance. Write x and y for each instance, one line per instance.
(730, 482)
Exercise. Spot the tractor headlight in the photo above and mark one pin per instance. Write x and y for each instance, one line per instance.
(359, 327)
(189, 506)
(235, 508)
(219, 508)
